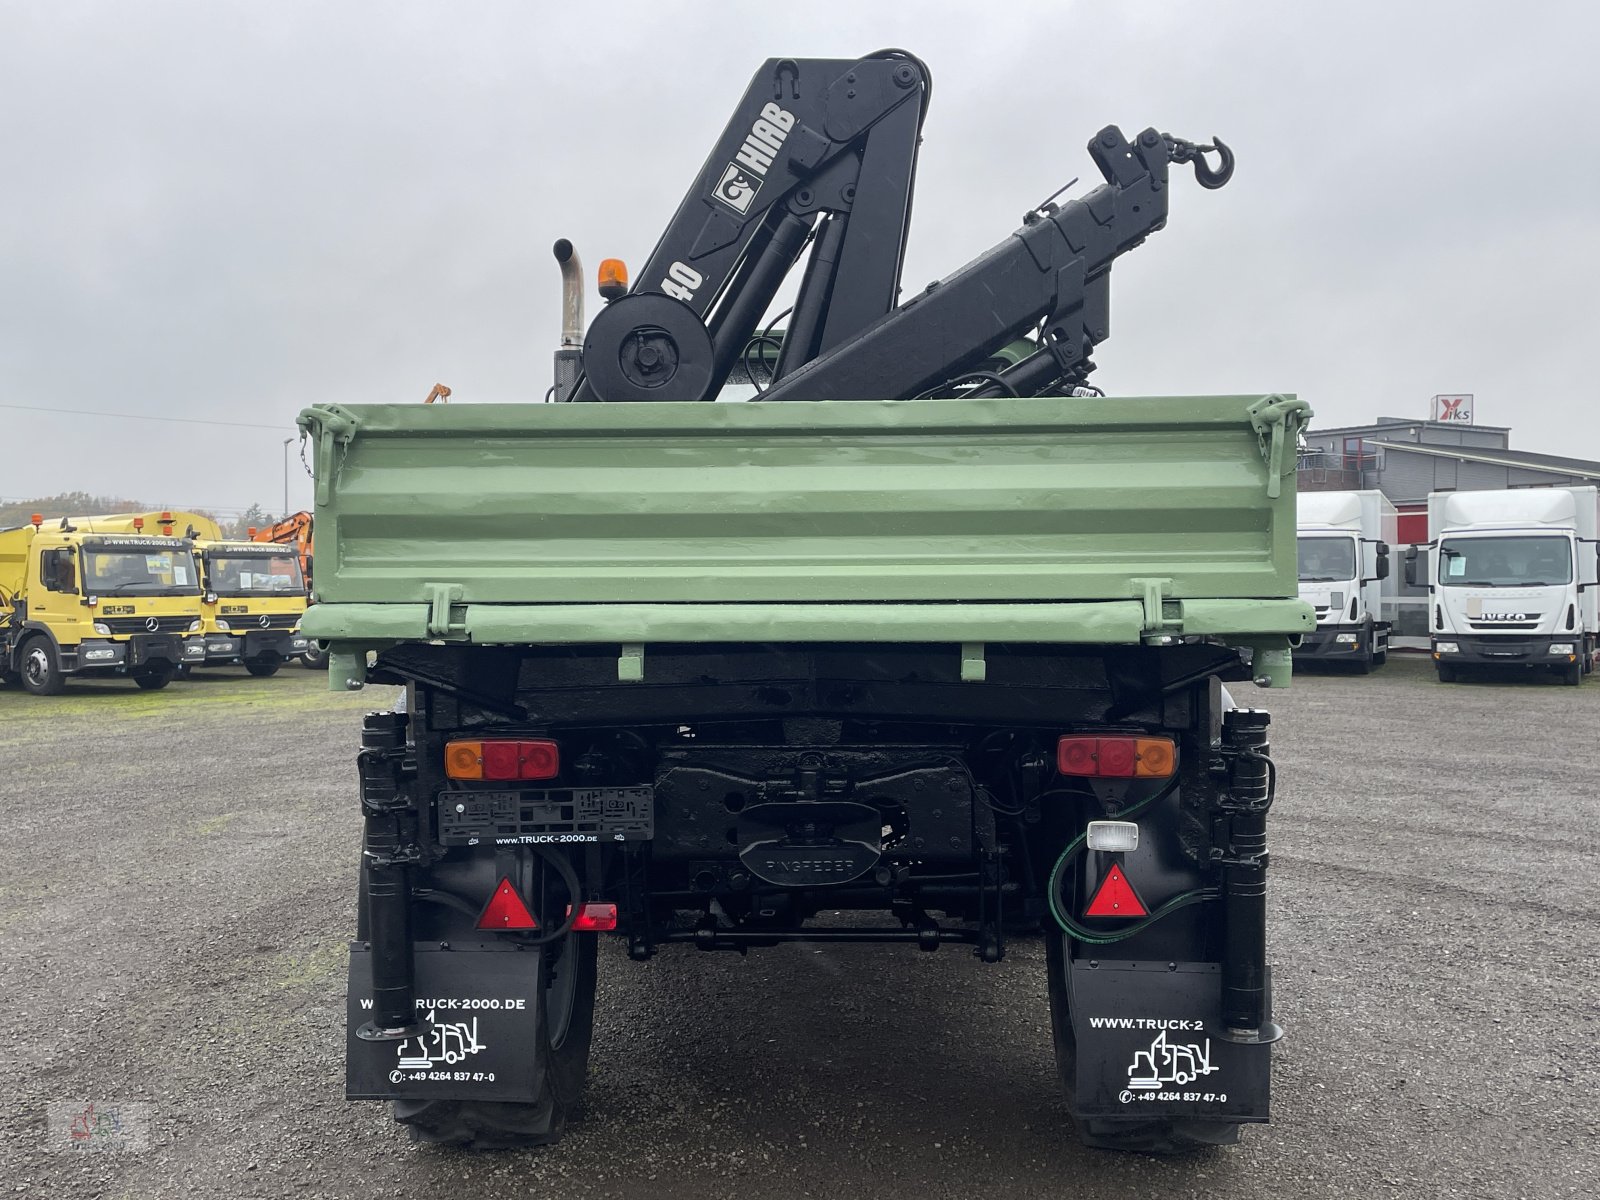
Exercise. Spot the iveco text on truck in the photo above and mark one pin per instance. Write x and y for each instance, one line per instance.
(1344, 540)
(1511, 580)
(913, 636)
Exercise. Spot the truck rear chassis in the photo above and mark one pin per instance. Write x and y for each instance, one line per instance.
(748, 789)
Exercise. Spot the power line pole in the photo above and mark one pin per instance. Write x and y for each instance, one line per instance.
(286, 444)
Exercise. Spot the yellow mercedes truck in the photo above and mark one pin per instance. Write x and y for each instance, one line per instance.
(254, 599)
(75, 600)
(253, 593)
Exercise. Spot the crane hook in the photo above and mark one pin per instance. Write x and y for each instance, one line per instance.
(1203, 172)
(1208, 177)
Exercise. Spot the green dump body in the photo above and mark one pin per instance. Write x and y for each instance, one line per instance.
(1037, 520)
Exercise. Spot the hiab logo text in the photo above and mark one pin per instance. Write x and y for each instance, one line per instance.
(741, 179)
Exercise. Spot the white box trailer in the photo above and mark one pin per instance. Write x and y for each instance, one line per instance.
(1344, 540)
(1511, 579)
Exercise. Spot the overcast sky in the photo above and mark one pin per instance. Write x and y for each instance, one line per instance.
(228, 211)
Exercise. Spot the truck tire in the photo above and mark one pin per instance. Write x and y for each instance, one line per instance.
(1447, 672)
(316, 656)
(1572, 674)
(39, 668)
(153, 679)
(566, 1025)
(1159, 1136)
(265, 667)
(1364, 664)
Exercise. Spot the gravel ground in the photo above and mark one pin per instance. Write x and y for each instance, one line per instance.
(178, 890)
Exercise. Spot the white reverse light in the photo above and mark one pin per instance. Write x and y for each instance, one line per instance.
(1119, 836)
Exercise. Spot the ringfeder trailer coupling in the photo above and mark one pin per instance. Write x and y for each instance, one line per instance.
(929, 633)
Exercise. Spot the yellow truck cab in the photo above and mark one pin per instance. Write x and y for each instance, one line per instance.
(253, 592)
(75, 600)
(254, 599)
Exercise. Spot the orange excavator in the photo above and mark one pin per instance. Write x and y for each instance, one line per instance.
(295, 530)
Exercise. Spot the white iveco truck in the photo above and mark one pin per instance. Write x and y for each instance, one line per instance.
(1344, 540)
(1511, 580)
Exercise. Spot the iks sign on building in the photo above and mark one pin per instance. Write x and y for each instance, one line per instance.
(1454, 410)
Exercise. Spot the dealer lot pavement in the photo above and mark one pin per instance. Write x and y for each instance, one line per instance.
(179, 887)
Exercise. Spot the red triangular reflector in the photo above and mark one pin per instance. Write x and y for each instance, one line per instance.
(1116, 897)
(506, 910)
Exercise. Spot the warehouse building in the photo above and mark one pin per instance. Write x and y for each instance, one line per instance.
(1407, 459)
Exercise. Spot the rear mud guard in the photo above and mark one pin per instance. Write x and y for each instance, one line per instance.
(479, 1035)
(1151, 1044)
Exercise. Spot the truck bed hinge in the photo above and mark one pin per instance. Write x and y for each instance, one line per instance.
(1278, 421)
(974, 667)
(331, 429)
(1157, 619)
(630, 664)
(441, 599)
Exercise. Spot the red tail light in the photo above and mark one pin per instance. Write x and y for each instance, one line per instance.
(502, 759)
(1117, 756)
(595, 916)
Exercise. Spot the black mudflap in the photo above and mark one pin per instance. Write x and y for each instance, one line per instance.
(479, 1010)
(1150, 1045)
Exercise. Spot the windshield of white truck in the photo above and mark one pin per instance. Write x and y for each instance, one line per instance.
(1504, 561)
(255, 574)
(1327, 559)
(140, 573)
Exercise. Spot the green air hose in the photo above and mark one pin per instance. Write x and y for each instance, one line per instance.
(1102, 938)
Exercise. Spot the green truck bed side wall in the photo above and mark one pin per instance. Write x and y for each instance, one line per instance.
(1045, 519)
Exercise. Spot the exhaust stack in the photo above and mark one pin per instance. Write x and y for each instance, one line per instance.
(569, 358)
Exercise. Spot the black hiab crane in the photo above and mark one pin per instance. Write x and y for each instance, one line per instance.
(823, 152)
